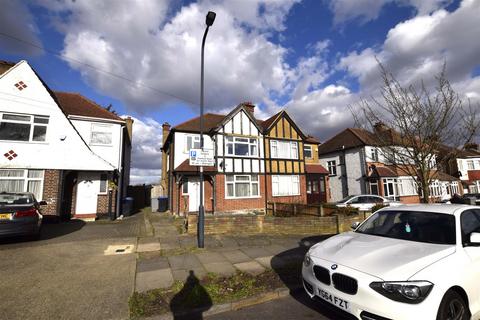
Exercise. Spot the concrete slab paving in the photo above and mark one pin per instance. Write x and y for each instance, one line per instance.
(236, 256)
(148, 280)
(265, 261)
(152, 264)
(256, 252)
(210, 257)
(252, 267)
(148, 244)
(222, 268)
(182, 274)
(276, 249)
(184, 262)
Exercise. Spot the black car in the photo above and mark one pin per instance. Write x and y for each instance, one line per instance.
(20, 214)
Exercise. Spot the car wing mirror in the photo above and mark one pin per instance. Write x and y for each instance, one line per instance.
(475, 238)
(356, 224)
(43, 203)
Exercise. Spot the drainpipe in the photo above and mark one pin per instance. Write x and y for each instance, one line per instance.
(118, 207)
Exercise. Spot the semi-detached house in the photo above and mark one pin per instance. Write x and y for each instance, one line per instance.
(61, 146)
(255, 161)
(356, 165)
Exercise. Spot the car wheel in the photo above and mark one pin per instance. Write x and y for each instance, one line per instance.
(453, 307)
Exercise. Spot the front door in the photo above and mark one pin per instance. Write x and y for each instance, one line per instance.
(193, 194)
(316, 189)
(88, 186)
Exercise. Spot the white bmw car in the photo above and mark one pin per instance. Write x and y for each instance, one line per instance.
(405, 262)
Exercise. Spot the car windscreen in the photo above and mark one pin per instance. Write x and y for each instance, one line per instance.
(430, 227)
(15, 198)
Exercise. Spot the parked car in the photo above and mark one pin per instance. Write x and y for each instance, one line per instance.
(20, 215)
(365, 201)
(406, 262)
(471, 198)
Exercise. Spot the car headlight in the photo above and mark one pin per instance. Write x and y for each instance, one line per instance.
(408, 291)
(307, 261)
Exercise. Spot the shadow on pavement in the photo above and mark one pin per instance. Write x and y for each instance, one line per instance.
(288, 266)
(50, 229)
(192, 300)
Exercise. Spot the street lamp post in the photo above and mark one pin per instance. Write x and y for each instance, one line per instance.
(201, 210)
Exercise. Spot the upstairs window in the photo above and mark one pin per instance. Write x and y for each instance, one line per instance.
(101, 134)
(470, 165)
(307, 150)
(20, 127)
(284, 149)
(374, 154)
(332, 167)
(192, 142)
(239, 146)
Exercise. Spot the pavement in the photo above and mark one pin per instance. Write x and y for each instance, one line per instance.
(167, 255)
(67, 274)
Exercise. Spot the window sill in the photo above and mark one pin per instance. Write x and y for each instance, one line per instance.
(287, 195)
(25, 142)
(235, 198)
(100, 145)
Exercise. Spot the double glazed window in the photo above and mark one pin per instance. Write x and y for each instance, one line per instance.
(374, 154)
(192, 142)
(242, 186)
(390, 189)
(101, 134)
(285, 185)
(307, 150)
(332, 167)
(284, 149)
(16, 127)
(238, 146)
(19, 180)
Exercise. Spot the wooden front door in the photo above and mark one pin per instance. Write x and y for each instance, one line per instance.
(316, 189)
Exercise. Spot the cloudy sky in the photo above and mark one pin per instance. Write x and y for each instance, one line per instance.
(312, 57)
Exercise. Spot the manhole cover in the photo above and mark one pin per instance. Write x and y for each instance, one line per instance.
(118, 249)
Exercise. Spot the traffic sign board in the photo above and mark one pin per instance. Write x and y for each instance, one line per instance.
(199, 157)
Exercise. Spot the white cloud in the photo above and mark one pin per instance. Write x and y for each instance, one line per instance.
(146, 153)
(20, 25)
(163, 52)
(367, 10)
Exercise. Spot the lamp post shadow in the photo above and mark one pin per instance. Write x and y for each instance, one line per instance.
(191, 301)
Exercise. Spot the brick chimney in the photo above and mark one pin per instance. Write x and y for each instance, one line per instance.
(129, 126)
(165, 130)
(249, 106)
(164, 179)
(380, 127)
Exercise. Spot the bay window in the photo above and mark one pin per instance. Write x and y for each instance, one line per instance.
(284, 149)
(20, 180)
(286, 185)
(239, 146)
(242, 186)
(16, 127)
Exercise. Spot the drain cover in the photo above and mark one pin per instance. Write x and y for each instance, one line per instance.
(118, 249)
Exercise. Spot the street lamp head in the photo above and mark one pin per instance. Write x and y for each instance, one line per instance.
(210, 18)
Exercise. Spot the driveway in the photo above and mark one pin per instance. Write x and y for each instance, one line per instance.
(66, 274)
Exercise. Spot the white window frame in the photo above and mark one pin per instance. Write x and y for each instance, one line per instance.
(235, 181)
(251, 142)
(106, 183)
(185, 183)
(275, 149)
(374, 183)
(195, 139)
(470, 165)
(374, 154)
(26, 179)
(293, 181)
(107, 129)
(305, 147)
(394, 182)
(31, 122)
(332, 167)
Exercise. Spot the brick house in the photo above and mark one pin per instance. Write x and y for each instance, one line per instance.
(255, 161)
(357, 165)
(62, 147)
(465, 165)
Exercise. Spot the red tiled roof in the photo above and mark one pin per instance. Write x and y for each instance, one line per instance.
(442, 176)
(268, 122)
(316, 168)
(312, 140)
(386, 172)
(78, 105)
(210, 121)
(5, 66)
(186, 167)
(473, 175)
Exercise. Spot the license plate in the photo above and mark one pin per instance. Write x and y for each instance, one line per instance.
(327, 296)
(5, 216)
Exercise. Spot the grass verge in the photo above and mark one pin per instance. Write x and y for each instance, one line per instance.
(200, 295)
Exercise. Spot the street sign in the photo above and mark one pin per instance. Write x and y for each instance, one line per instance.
(199, 157)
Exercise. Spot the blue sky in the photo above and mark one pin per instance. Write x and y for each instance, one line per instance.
(312, 57)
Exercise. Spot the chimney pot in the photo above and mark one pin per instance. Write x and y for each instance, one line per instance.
(249, 106)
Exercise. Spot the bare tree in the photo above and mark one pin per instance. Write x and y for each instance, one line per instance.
(412, 124)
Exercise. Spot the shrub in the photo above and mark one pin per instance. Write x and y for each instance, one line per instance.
(377, 207)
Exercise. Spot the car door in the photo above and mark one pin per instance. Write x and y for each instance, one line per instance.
(354, 202)
(470, 222)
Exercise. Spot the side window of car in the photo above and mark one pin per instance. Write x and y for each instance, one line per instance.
(376, 200)
(354, 200)
(470, 222)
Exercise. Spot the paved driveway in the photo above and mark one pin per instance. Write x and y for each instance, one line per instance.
(66, 275)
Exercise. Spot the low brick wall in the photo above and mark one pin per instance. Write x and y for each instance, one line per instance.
(220, 224)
